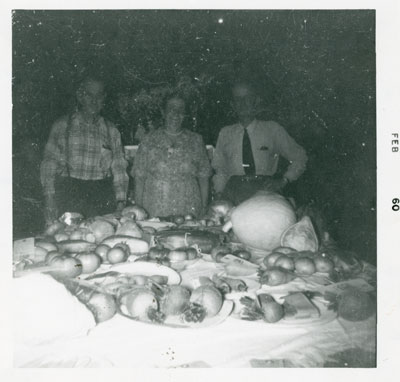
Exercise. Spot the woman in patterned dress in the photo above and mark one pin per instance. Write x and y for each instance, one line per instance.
(171, 168)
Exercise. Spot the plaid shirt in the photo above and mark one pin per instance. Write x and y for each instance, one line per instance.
(94, 153)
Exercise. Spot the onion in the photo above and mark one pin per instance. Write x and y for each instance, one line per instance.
(269, 261)
(285, 262)
(304, 266)
(276, 276)
(323, 264)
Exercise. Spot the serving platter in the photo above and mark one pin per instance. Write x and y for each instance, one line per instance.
(177, 322)
(143, 268)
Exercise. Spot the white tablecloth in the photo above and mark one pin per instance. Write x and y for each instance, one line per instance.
(121, 342)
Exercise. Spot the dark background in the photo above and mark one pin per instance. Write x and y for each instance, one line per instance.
(315, 71)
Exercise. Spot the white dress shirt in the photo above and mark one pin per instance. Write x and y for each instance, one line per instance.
(269, 141)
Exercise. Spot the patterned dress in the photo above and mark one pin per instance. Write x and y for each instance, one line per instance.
(170, 170)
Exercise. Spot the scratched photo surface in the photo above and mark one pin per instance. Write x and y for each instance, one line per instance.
(315, 72)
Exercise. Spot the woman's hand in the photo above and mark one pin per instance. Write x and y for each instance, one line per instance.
(50, 209)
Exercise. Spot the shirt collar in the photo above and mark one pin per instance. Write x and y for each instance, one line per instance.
(249, 127)
(80, 119)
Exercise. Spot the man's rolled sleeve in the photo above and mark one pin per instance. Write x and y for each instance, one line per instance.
(118, 167)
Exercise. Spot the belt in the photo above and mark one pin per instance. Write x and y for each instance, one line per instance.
(252, 178)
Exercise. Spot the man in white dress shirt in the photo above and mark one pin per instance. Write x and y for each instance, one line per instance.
(247, 153)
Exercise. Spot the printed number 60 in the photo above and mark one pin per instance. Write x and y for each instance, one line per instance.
(395, 206)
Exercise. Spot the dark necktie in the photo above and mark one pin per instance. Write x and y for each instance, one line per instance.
(248, 159)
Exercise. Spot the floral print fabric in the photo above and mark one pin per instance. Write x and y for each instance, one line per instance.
(170, 169)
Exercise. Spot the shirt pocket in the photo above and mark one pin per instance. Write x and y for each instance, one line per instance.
(266, 158)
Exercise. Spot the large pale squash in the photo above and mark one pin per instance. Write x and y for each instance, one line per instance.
(260, 221)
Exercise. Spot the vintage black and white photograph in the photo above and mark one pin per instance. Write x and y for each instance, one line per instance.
(194, 188)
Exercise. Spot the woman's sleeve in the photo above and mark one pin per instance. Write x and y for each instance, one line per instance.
(140, 160)
(204, 167)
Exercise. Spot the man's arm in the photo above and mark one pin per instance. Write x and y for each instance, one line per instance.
(53, 160)
(293, 152)
(118, 168)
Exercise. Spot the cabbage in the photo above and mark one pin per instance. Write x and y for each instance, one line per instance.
(130, 228)
(101, 229)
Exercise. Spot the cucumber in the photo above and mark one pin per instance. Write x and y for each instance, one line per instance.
(75, 246)
(136, 246)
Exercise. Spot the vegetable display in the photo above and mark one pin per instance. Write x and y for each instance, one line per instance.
(93, 258)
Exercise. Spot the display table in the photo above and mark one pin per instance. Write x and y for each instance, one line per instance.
(122, 342)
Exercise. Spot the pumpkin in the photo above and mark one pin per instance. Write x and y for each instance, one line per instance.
(260, 221)
(301, 236)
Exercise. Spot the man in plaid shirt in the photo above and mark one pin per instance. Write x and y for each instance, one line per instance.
(84, 168)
